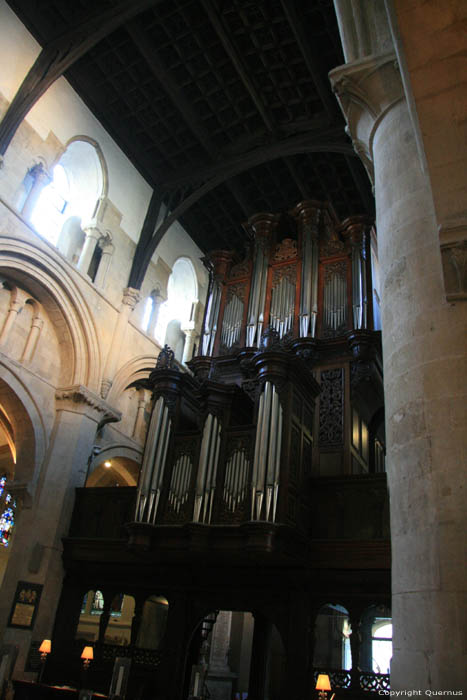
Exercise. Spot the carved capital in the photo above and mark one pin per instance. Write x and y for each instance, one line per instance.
(79, 399)
(131, 297)
(366, 90)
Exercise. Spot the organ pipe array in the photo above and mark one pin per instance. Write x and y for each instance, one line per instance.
(266, 463)
(237, 443)
(180, 482)
(232, 323)
(152, 469)
(307, 275)
(207, 470)
(236, 479)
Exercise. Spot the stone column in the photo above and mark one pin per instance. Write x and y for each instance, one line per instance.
(41, 179)
(190, 335)
(92, 237)
(220, 676)
(33, 337)
(102, 270)
(130, 299)
(17, 301)
(424, 377)
(157, 300)
(143, 400)
(43, 525)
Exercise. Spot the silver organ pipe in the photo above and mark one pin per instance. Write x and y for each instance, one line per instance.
(364, 287)
(314, 288)
(257, 298)
(207, 470)
(180, 482)
(305, 296)
(282, 307)
(152, 470)
(266, 467)
(256, 457)
(235, 480)
(357, 305)
(232, 323)
(212, 316)
(335, 302)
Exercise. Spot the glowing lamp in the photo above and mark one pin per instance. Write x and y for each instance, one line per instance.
(44, 649)
(323, 684)
(87, 655)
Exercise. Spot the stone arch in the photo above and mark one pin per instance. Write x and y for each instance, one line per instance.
(27, 426)
(134, 370)
(46, 275)
(125, 460)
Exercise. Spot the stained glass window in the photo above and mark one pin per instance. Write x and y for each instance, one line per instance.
(7, 519)
(2, 485)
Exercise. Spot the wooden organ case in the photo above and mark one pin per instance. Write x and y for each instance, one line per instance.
(258, 488)
(288, 326)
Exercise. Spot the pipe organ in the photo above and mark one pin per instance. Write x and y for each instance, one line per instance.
(312, 281)
(152, 470)
(286, 340)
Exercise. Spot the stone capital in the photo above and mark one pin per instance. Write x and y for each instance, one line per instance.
(79, 399)
(93, 230)
(131, 297)
(366, 90)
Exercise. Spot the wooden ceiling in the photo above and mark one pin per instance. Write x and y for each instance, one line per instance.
(223, 101)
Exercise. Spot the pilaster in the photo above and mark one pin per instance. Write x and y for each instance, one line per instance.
(424, 377)
(36, 554)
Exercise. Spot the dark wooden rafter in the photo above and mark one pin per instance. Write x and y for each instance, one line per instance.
(322, 87)
(216, 21)
(296, 177)
(321, 142)
(332, 140)
(58, 55)
(232, 53)
(147, 50)
(290, 10)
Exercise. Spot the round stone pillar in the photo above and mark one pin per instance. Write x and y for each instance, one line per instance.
(424, 378)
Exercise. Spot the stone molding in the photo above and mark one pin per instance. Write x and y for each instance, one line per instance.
(366, 90)
(79, 399)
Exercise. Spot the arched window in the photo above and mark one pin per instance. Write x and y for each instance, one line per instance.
(7, 517)
(177, 313)
(50, 212)
(148, 307)
(381, 646)
(70, 201)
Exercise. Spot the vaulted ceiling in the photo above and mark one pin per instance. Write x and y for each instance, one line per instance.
(226, 102)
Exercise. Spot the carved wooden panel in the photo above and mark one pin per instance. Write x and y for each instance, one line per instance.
(331, 408)
(285, 250)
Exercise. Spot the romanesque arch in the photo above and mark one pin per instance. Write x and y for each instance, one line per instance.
(45, 275)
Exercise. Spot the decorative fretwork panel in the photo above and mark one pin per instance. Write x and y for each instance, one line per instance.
(142, 657)
(338, 679)
(375, 681)
(331, 408)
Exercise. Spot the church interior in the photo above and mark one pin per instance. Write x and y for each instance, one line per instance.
(233, 282)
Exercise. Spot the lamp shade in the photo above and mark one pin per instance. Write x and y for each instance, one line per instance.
(323, 682)
(87, 654)
(46, 647)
